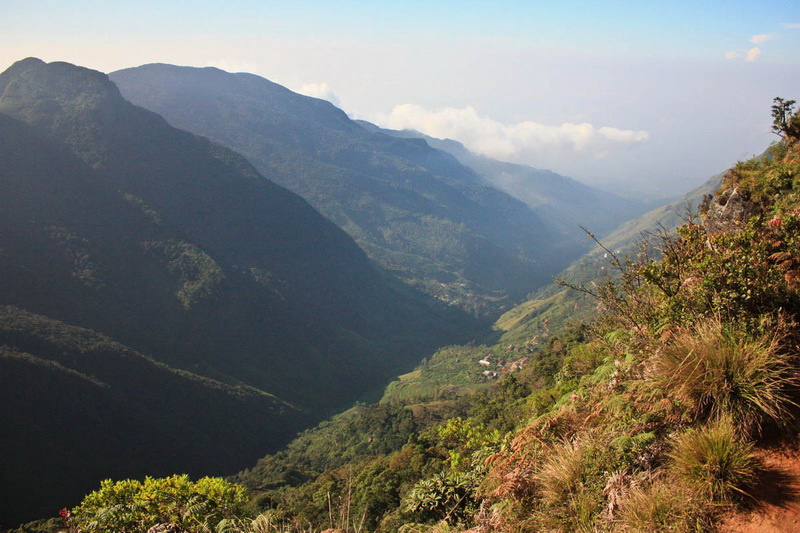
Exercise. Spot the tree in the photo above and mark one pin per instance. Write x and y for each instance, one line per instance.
(784, 120)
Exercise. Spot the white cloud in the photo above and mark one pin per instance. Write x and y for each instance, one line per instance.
(232, 65)
(753, 54)
(790, 25)
(761, 38)
(319, 90)
(523, 141)
(732, 55)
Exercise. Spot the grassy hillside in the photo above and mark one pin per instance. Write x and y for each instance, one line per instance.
(655, 418)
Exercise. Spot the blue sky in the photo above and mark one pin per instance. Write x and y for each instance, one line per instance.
(639, 97)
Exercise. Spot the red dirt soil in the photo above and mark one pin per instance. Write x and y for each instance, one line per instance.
(775, 507)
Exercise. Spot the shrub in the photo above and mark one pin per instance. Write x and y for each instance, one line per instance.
(132, 506)
(714, 460)
(447, 496)
(716, 372)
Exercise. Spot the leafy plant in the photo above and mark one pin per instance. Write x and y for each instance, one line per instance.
(447, 496)
(131, 506)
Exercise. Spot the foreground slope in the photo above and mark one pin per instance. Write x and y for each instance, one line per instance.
(176, 248)
(675, 409)
(415, 210)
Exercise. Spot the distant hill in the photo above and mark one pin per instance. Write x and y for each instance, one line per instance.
(554, 305)
(563, 202)
(115, 225)
(417, 211)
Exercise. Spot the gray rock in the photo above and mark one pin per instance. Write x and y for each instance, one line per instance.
(729, 211)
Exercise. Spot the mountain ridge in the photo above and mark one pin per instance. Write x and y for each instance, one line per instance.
(563, 201)
(417, 211)
(115, 225)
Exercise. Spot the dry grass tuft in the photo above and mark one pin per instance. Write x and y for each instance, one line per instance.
(719, 372)
(561, 473)
(658, 507)
(715, 461)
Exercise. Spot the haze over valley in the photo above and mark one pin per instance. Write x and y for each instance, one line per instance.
(400, 261)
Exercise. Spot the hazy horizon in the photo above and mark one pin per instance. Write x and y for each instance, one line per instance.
(647, 100)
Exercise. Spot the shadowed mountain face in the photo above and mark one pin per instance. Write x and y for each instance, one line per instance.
(415, 210)
(116, 224)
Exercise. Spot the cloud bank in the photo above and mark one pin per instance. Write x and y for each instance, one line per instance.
(523, 141)
(319, 90)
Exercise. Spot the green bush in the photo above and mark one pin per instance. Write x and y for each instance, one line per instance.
(447, 496)
(131, 506)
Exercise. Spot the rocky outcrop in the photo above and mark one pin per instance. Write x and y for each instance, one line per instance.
(729, 211)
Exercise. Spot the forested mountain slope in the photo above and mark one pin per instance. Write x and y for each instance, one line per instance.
(175, 248)
(563, 202)
(415, 210)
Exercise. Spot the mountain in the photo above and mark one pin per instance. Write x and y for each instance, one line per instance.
(673, 410)
(555, 305)
(188, 271)
(79, 407)
(415, 210)
(563, 202)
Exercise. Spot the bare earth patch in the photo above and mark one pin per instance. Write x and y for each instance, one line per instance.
(775, 507)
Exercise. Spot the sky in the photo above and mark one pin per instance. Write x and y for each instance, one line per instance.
(642, 98)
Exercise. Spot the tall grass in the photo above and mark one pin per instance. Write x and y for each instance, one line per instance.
(715, 461)
(561, 473)
(717, 371)
(659, 507)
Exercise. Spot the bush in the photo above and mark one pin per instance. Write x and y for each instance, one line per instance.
(447, 496)
(714, 460)
(717, 372)
(132, 506)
